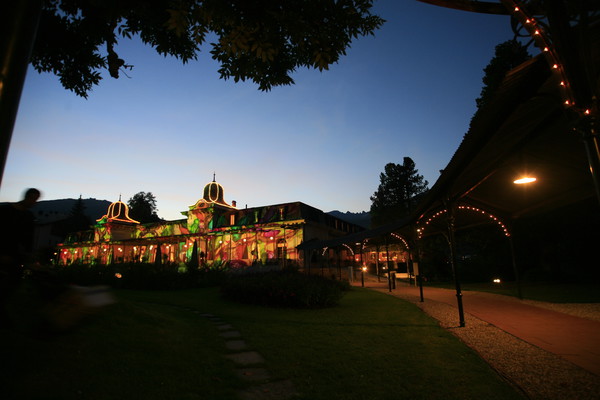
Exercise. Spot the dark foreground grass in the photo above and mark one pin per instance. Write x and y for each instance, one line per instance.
(146, 346)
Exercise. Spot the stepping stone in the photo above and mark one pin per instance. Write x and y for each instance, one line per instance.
(224, 327)
(270, 391)
(236, 345)
(230, 334)
(246, 358)
(253, 374)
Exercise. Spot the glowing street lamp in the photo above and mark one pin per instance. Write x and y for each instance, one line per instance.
(524, 180)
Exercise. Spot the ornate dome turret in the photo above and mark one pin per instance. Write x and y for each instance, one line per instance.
(213, 193)
(118, 211)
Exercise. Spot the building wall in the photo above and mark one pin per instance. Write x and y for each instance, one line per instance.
(266, 234)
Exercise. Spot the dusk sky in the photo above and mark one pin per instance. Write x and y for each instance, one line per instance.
(408, 91)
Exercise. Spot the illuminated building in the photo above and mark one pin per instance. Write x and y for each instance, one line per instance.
(217, 230)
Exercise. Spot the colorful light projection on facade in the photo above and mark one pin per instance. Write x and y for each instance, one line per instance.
(216, 230)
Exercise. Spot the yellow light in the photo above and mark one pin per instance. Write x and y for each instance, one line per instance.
(497, 280)
(118, 275)
(525, 179)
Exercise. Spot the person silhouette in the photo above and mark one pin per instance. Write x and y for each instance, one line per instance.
(16, 246)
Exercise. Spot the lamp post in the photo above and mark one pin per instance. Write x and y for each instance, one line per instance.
(362, 275)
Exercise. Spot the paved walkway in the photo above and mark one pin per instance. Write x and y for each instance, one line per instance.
(572, 338)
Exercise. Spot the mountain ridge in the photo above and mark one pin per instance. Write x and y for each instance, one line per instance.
(361, 219)
(46, 211)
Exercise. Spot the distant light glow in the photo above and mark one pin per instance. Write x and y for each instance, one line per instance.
(525, 179)
(497, 280)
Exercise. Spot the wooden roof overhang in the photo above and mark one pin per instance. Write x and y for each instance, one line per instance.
(524, 130)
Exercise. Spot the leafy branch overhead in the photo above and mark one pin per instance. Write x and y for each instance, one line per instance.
(261, 40)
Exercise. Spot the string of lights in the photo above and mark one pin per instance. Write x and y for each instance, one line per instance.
(401, 239)
(542, 40)
(492, 217)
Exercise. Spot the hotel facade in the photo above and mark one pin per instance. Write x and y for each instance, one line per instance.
(215, 230)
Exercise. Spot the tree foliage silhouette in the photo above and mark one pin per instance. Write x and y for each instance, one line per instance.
(260, 40)
(507, 56)
(77, 220)
(142, 207)
(399, 189)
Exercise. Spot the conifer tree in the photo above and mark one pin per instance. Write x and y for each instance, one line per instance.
(399, 188)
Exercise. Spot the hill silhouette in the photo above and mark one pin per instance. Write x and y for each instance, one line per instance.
(361, 219)
(47, 211)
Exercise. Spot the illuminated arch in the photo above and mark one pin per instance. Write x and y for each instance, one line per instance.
(538, 33)
(401, 239)
(349, 248)
(491, 216)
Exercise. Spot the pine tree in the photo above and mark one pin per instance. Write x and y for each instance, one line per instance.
(78, 220)
(396, 196)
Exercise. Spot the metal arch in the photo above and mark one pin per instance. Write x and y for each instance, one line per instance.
(485, 7)
(467, 207)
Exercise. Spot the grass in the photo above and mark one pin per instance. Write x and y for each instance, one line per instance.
(372, 346)
(552, 292)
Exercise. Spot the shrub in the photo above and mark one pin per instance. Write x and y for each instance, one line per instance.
(147, 276)
(287, 288)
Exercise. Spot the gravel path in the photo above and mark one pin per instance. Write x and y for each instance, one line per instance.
(537, 373)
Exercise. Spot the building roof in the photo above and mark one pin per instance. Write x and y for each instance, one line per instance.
(524, 129)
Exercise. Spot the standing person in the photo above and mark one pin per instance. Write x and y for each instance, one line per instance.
(17, 225)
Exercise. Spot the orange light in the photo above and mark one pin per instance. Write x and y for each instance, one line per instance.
(525, 179)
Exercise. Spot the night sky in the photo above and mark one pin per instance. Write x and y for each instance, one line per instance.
(166, 128)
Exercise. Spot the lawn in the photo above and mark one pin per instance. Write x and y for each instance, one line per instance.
(150, 345)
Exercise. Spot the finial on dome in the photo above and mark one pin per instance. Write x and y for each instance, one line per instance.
(214, 175)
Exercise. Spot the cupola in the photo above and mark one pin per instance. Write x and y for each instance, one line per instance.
(213, 193)
(118, 212)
